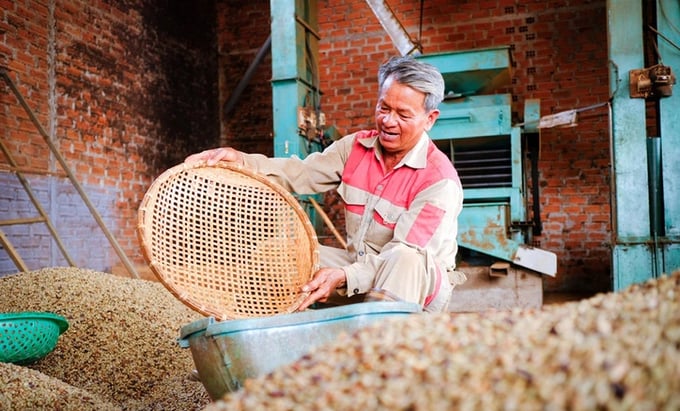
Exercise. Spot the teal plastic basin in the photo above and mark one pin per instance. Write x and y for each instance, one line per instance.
(28, 336)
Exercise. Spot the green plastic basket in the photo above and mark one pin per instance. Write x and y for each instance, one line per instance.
(28, 336)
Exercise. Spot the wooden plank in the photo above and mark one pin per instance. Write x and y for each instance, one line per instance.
(143, 270)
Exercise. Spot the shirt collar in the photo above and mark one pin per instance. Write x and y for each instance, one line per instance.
(416, 158)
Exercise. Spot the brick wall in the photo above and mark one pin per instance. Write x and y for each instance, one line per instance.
(138, 85)
(243, 28)
(125, 90)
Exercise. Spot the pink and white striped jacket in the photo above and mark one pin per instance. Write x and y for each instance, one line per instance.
(417, 203)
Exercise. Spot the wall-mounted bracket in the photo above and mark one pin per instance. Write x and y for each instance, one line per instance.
(311, 123)
(655, 81)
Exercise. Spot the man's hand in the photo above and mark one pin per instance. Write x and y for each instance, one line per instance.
(325, 281)
(215, 155)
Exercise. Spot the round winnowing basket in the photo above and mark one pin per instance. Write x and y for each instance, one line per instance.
(227, 242)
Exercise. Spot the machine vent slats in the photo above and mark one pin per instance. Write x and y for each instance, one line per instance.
(482, 167)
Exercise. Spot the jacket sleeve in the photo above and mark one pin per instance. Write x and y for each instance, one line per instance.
(316, 173)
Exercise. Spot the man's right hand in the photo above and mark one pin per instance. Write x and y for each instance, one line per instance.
(215, 155)
(325, 281)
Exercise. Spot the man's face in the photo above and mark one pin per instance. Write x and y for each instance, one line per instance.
(400, 117)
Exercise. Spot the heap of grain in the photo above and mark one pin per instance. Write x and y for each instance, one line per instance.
(27, 389)
(120, 351)
(615, 351)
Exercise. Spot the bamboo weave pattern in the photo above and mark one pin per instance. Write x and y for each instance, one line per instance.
(227, 242)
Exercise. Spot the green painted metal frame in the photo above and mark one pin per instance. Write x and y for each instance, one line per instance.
(473, 116)
(295, 48)
(670, 135)
(631, 257)
(469, 72)
(486, 221)
(638, 256)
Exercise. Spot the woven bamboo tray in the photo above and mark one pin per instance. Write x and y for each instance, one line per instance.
(227, 242)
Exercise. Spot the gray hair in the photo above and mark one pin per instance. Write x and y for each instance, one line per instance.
(416, 74)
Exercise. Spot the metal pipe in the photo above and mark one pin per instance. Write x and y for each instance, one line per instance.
(534, 149)
(655, 214)
(400, 37)
(238, 90)
(131, 269)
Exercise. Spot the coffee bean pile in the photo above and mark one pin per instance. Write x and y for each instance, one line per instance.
(27, 389)
(614, 351)
(120, 351)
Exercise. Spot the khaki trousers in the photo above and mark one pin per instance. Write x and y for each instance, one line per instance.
(406, 274)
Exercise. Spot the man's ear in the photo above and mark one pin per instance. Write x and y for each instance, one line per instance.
(432, 116)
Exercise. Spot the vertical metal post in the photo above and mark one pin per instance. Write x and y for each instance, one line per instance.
(655, 202)
(631, 257)
(295, 71)
(668, 20)
(292, 83)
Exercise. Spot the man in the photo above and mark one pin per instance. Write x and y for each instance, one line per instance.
(402, 196)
